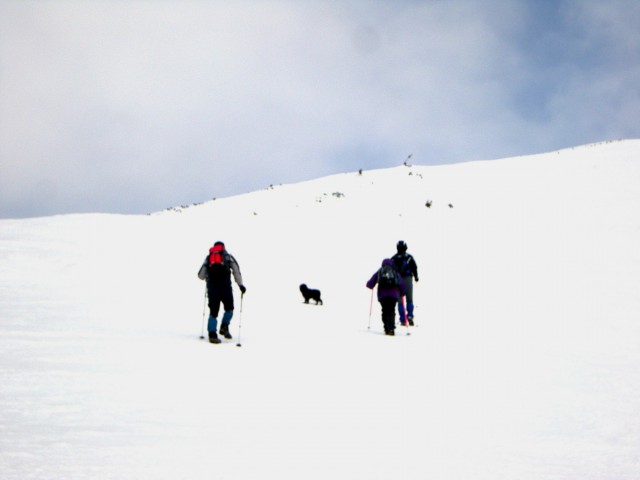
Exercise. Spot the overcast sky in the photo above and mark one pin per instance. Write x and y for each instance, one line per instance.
(135, 106)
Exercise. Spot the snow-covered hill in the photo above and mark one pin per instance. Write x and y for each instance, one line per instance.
(523, 364)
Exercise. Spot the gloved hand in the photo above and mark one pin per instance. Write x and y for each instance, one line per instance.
(243, 289)
(417, 279)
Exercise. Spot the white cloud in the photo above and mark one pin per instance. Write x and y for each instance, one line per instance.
(151, 104)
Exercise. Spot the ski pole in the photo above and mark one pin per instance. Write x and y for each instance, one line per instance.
(405, 320)
(204, 311)
(240, 321)
(370, 310)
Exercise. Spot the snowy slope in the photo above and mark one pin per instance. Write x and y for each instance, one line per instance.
(524, 363)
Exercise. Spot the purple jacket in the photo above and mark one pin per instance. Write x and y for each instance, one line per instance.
(395, 292)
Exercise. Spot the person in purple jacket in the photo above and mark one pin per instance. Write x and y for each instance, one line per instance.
(391, 288)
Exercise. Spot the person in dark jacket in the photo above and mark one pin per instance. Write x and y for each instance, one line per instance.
(388, 296)
(217, 269)
(408, 269)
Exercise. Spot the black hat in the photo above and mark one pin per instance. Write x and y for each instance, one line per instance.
(401, 246)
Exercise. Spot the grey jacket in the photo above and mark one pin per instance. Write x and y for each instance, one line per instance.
(229, 261)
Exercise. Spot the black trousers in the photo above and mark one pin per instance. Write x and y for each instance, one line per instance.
(217, 295)
(388, 313)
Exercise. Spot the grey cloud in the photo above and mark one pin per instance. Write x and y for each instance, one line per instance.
(136, 108)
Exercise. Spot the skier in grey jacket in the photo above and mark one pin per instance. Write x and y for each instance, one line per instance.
(217, 269)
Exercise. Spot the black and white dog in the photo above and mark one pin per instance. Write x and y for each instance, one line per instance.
(310, 293)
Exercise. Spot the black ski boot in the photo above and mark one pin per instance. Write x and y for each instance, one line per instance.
(224, 331)
(213, 337)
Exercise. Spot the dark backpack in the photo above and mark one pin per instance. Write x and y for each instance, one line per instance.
(404, 268)
(214, 265)
(387, 277)
(218, 267)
